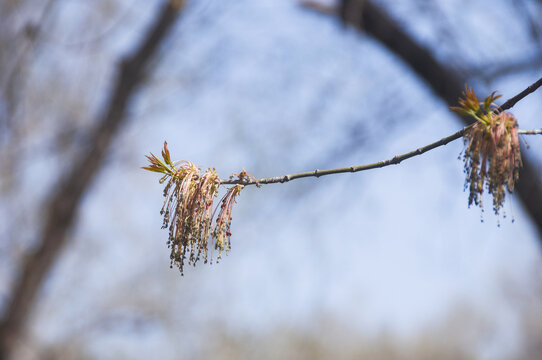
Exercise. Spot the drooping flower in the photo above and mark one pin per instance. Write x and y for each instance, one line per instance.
(492, 153)
(188, 209)
(222, 231)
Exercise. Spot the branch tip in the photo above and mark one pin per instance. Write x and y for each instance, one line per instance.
(492, 160)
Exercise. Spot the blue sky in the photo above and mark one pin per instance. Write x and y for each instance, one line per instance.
(274, 89)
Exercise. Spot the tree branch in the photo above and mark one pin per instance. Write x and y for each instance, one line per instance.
(397, 158)
(62, 207)
(513, 101)
(531, 132)
(444, 81)
(351, 169)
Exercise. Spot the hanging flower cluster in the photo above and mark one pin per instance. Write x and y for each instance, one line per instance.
(492, 154)
(188, 209)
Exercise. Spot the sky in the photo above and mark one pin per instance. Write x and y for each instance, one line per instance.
(272, 88)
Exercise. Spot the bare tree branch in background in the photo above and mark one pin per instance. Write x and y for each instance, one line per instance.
(491, 72)
(63, 205)
(16, 48)
(445, 83)
(534, 25)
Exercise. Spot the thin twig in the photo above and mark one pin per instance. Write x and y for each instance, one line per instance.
(351, 169)
(530, 132)
(512, 101)
(397, 158)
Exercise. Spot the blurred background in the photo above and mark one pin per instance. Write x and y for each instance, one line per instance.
(385, 264)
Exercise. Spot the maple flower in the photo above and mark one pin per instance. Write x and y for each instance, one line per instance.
(188, 209)
(222, 231)
(492, 153)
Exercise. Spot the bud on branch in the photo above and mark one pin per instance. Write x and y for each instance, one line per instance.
(492, 160)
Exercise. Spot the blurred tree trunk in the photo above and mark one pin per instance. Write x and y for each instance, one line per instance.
(16, 48)
(61, 209)
(445, 82)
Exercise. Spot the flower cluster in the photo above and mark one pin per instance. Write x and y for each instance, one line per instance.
(492, 154)
(222, 231)
(188, 210)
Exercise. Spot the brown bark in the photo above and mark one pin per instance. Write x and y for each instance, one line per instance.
(63, 205)
(445, 83)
